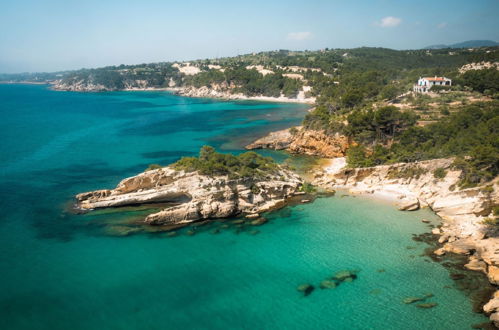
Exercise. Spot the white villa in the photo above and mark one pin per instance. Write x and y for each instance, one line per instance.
(424, 84)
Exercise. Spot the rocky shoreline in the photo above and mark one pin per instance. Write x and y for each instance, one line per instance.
(187, 91)
(199, 197)
(225, 94)
(462, 211)
(298, 140)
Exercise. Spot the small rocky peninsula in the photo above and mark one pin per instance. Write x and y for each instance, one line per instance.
(212, 186)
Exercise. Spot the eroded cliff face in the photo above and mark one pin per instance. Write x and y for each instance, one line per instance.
(304, 141)
(462, 211)
(199, 196)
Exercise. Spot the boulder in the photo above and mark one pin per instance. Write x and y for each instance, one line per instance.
(427, 305)
(411, 300)
(436, 231)
(439, 252)
(462, 246)
(409, 205)
(344, 274)
(476, 265)
(118, 230)
(328, 284)
(258, 222)
(306, 289)
(493, 274)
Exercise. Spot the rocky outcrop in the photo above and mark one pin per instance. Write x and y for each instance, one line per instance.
(278, 140)
(413, 185)
(79, 85)
(304, 141)
(198, 196)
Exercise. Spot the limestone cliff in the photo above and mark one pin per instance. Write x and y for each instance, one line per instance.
(304, 141)
(414, 185)
(198, 196)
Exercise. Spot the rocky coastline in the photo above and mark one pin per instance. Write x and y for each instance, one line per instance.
(226, 94)
(410, 186)
(463, 212)
(298, 140)
(197, 197)
(187, 91)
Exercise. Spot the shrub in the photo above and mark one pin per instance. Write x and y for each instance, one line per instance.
(246, 165)
(153, 167)
(308, 188)
(491, 221)
(407, 172)
(440, 173)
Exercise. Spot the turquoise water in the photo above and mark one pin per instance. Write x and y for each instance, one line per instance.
(61, 271)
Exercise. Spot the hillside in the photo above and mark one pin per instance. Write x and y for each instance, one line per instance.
(466, 44)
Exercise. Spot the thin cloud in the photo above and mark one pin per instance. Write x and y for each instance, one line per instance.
(299, 36)
(442, 25)
(389, 21)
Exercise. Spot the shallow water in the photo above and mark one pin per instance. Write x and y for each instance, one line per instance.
(63, 271)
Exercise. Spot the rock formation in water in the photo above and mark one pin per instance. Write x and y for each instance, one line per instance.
(304, 141)
(463, 211)
(198, 196)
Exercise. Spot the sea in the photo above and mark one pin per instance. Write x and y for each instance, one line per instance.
(63, 270)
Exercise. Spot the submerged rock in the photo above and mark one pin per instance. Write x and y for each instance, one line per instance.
(117, 230)
(328, 284)
(258, 222)
(411, 300)
(427, 305)
(306, 289)
(344, 274)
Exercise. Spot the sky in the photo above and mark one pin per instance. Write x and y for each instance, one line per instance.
(53, 35)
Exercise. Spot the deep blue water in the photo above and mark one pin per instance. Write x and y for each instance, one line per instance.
(63, 271)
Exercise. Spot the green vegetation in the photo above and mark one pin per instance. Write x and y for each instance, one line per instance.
(440, 173)
(471, 133)
(246, 165)
(293, 130)
(484, 81)
(491, 221)
(308, 188)
(407, 172)
(153, 167)
(248, 82)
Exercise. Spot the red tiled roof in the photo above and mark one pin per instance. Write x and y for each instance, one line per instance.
(435, 78)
